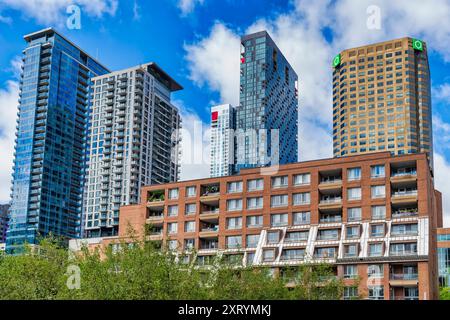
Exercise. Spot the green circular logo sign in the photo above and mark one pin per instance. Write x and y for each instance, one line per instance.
(337, 60)
(417, 44)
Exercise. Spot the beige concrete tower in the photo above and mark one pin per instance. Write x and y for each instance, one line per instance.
(382, 100)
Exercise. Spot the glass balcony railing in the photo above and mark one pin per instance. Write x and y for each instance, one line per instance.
(403, 276)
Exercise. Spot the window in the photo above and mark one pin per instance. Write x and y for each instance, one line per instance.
(378, 212)
(252, 240)
(255, 184)
(255, 203)
(269, 255)
(293, 254)
(375, 271)
(354, 194)
(354, 214)
(402, 249)
(234, 223)
(375, 249)
(254, 221)
(172, 210)
(189, 244)
(234, 204)
(189, 226)
(377, 171)
(273, 237)
(234, 242)
(404, 229)
(328, 234)
(172, 244)
(350, 293)
(279, 200)
(279, 182)
(172, 228)
(301, 198)
(173, 193)
(302, 179)
(377, 230)
(296, 236)
(378, 191)
(191, 208)
(191, 191)
(279, 220)
(376, 292)
(350, 271)
(301, 218)
(325, 252)
(235, 186)
(351, 250)
(352, 232)
(354, 174)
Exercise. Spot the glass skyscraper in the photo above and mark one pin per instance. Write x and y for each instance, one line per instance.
(268, 100)
(50, 149)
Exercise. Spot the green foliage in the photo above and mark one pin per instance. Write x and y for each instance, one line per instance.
(157, 195)
(445, 293)
(144, 271)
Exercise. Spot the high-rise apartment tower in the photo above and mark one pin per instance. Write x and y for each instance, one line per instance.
(223, 123)
(47, 186)
(381, 99)
(268, 102)
(133, 142)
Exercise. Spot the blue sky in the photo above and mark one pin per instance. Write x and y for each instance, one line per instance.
(197, 42)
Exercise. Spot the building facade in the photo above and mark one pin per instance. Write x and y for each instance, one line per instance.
(372, 217)
(50, 150)
(382, 99)
(443, 252)
(223, 125)
(133, 142)
(266, 118)
(3, 221)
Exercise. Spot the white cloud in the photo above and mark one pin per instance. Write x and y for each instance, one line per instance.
(8, 109)
(136, 11)
(195, 144)
(214, 61)
(442, 183)
(54, 11)
(187, 6)
(7, 20)
(441, 92)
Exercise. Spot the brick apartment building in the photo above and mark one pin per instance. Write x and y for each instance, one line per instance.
(373, 217)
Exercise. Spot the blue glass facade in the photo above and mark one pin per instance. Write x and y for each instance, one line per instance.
(51, 145)
(268, 100)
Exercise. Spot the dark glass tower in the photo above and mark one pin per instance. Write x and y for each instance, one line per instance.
(268, 100)
(50, 139)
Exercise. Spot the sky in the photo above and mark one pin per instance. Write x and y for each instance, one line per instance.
(197, 43)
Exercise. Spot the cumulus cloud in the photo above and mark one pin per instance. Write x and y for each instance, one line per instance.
(214, 61)
(195, 144)
(187, 6)
(8, 109)
(49, 12)
(442, 183)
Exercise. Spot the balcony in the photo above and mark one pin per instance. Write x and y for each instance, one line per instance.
(403, 174)
(210, 194)
(403, 196)
(155, 199)
(330, 202)
(330, 180)
(404, 212)
(209, 231)
(209, 244)
(330, 218)
(209, 213)
(155, 218)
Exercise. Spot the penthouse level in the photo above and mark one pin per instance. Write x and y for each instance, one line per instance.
(373, 217)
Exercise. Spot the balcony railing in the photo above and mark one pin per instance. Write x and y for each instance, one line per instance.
(411, 172)
(405, 213)
(403, 276)
(212, 245)
(405, 193)
(331, 219)
(403, 253)
(330, 180)
(331, 200)
(404, 233)
(405, 298)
